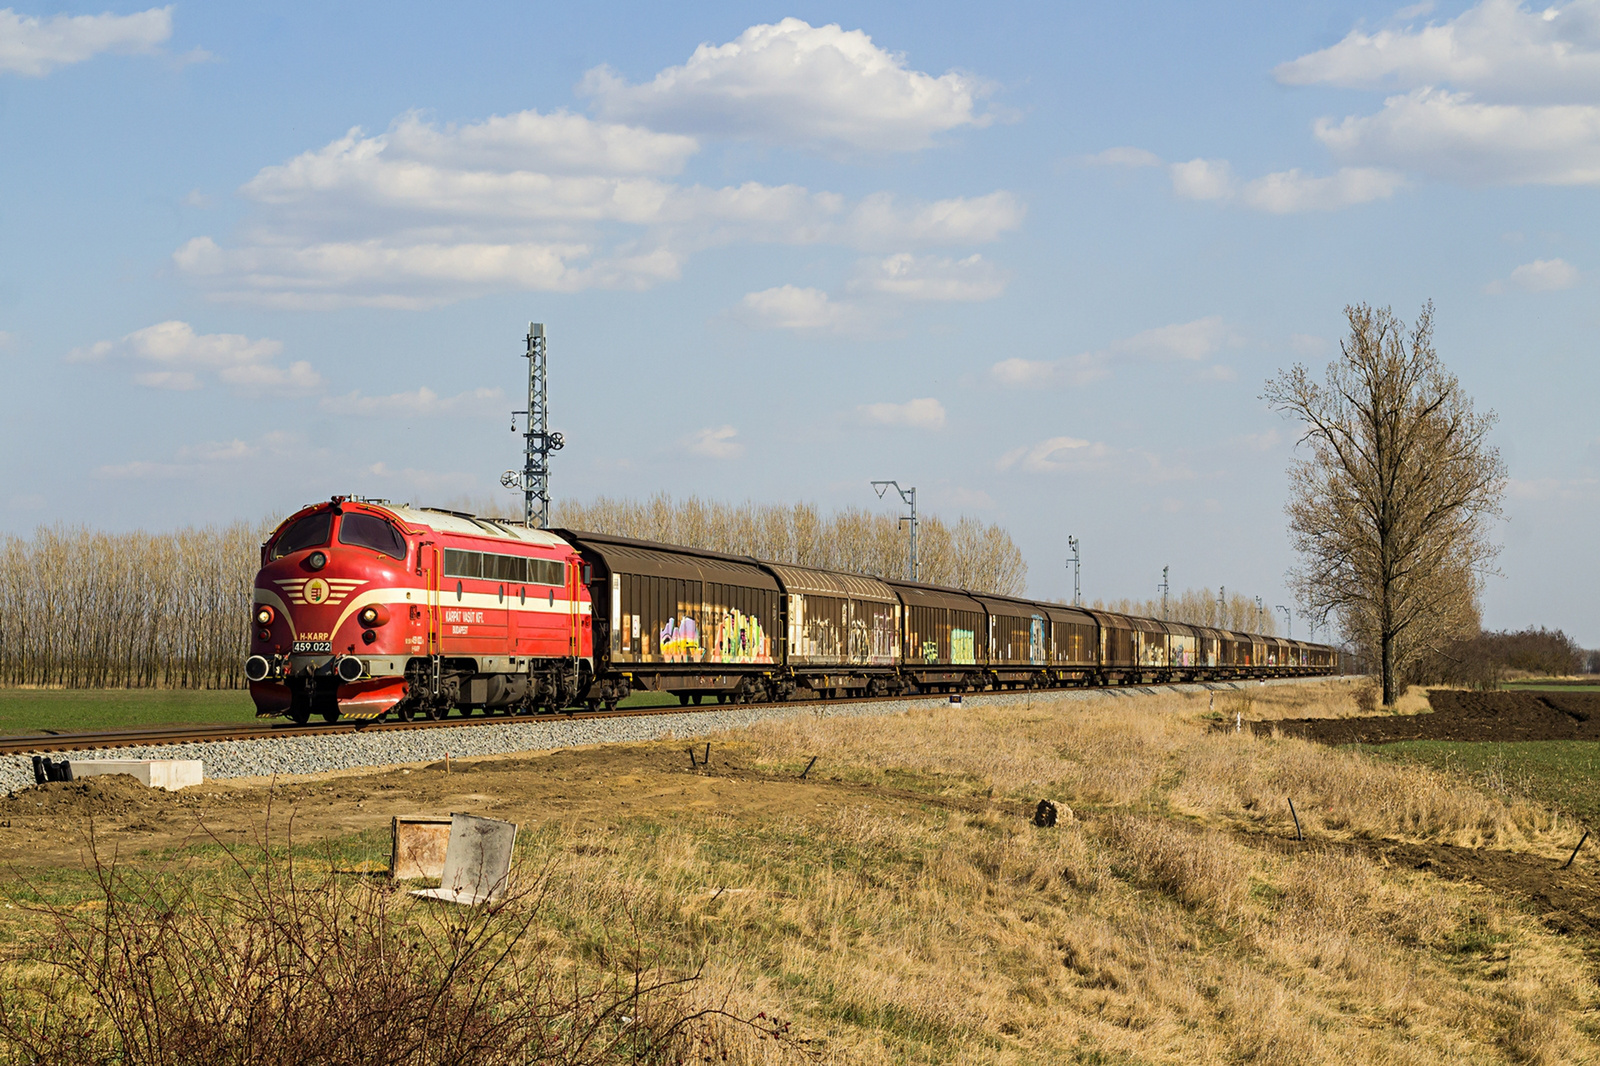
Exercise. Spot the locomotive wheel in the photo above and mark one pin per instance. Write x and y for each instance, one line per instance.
(330, 716)
(300, 717)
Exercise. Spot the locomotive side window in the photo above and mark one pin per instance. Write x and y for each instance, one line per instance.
(369, 531)
(512, 569)
(310, 532)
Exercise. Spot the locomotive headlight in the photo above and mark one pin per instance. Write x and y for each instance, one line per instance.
(317, 560)
(373, 615)
(265, 615)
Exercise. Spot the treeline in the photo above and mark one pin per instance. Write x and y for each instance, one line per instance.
(1202, 607)
(964, 554)
(1485, 659)
(83, 608)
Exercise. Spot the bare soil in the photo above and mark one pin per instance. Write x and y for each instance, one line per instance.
(1459, 715)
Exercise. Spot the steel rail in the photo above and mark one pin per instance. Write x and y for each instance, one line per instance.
(45, 742)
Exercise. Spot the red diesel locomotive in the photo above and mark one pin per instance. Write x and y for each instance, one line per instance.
(363, 608)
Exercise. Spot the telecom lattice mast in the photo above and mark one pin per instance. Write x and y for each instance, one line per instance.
(539, 442)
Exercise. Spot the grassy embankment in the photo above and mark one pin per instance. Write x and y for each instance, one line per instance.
(898, 906)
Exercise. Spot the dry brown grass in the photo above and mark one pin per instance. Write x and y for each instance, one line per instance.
(899, 906)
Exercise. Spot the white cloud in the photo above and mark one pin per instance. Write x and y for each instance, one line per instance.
(423, 215)
(1290, 191)
(715, 443)
(194, 461)
(793, 83)
(1185, 341)
(1455, 137)
(1283, 192)
(791, 307)
(174, 356)
(1053, 456)
(1202, 179)
(925, 413)
(1500, 47)
(1123, 156)
(424, 402)
(1307, 346)
(930, 277)
(1262, 442)
(7, 339)
(1072, 370)
(33, 46)
(1541, 275)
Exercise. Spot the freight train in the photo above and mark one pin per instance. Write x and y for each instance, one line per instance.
(363, 609)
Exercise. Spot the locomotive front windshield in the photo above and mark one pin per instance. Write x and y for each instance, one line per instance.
(310, 532)
(368, 531)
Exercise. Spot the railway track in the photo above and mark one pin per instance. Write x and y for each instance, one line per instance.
(48, 741)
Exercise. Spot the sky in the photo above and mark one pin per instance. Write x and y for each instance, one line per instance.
(1037, 260)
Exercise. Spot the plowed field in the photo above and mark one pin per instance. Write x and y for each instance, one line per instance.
(1458, 715)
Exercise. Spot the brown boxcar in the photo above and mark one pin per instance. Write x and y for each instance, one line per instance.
(945, 634)
(683, 620)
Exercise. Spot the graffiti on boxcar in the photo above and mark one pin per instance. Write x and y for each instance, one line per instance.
(963, 648)
(1036, 641)
(739, 638)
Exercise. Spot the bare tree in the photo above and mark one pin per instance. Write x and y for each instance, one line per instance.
(1390, 511)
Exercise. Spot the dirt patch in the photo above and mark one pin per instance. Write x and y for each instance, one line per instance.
(1459, 715)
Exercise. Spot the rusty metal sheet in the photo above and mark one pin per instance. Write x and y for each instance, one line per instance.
(805, 579)
(420, 843)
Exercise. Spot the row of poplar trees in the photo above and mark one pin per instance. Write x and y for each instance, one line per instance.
(83, 608)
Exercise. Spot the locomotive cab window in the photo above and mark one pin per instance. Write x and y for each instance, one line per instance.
(369, 531)
(309, 532)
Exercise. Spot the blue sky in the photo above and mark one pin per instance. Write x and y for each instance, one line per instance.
(1038, 264)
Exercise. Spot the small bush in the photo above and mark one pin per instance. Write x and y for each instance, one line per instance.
(266, 964)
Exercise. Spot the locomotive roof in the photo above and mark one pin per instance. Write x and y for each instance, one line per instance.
(473, 526)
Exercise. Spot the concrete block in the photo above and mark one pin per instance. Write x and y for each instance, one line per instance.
(170, 774)
(477, 862)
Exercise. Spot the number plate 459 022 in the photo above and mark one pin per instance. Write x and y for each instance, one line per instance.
(313, 647)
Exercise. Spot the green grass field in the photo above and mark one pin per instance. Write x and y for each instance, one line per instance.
(1562, 773)
(1549, 686)
(75, 710)
(64, 710)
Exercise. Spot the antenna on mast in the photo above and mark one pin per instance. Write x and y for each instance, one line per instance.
(539, 442)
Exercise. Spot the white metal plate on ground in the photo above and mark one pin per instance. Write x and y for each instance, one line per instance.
(170, 774)
(477, 863)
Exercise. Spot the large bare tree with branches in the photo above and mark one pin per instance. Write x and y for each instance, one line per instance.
(1390, 510)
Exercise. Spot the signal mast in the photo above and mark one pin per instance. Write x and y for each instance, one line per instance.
(538, 441)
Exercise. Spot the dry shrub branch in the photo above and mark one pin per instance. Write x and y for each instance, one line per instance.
(270, 962)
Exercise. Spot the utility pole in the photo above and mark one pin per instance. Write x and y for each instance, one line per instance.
(1163, 588)
(538, 441)
(1077, 598)
(1288, 621)
(909, 496)
(1222, 607)
(1258, 614)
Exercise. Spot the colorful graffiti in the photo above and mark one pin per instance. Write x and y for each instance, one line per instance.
(681, 643)
(739, 638)
(1036, 640)
(963, 649)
